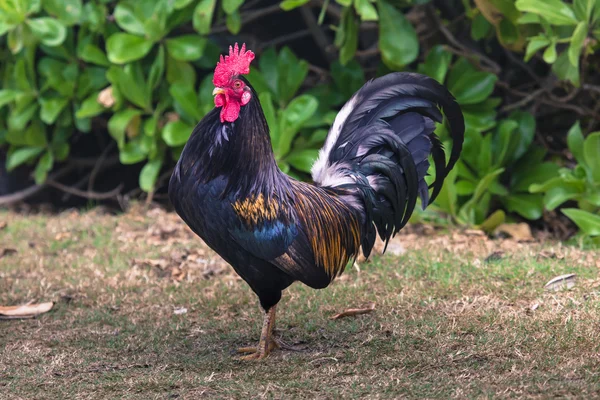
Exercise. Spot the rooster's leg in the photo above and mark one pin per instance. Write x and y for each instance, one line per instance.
(266, 343)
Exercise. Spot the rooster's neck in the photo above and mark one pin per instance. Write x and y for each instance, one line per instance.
(240, 152)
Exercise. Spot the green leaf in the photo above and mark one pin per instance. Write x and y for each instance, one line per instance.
(526, 127)
(231, 6)
(203, 14)
(297, 113)
(436, 63)
(497, 218)
(186, 47)
(234, 22)
(149, 175)
(577, 41)
(565, 70)
(61, 151)
(554, 11)
(131, 153)
(347, 36)
(92, 54)
(51, 108)
(591, 154)
(465, 188)
(67, 11)
(131, 83)
(89, 107)
(7, 96)
(535, 43)
(542, 172)
(508, 32)
(505, 142)
(186, 97)
(95, 16)
(302, 160)
(529, 206)
(91, 79)
(128, 20)
(206, 101)
(124, 47)
(44, 165)
(266, 101)
(575, 141)
(473, 87)
(15, 39)
(558, 194)
(21, 156)
(176, 133)
(586, 221)
(118, 123)
(550, 53)
(584, 9)
(18, 119)
(179, 4)
(48, 30)
(480, 27)
(447, 199)
(157, 70)
(60, 76)
(467, 211)
(291, 73)
(366, 10)
(393, 25)
(269, 70)
(287, 5)
(180, 72)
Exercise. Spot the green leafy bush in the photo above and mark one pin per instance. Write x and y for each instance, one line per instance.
(138, 72)
(580, 184)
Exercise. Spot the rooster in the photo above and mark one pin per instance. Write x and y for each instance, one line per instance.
(275, 230)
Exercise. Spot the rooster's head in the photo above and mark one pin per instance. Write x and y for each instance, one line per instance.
(231, 92)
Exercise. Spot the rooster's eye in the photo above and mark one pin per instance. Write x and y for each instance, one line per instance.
(237, 84)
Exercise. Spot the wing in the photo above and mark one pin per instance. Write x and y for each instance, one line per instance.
(310, 236)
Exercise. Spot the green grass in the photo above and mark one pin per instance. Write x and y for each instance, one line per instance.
(447, 324)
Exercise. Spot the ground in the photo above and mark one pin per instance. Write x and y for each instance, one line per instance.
(143, 310)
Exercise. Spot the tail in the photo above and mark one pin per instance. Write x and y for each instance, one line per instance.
(376, 154)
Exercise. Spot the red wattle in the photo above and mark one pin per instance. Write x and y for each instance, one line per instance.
(230, 111)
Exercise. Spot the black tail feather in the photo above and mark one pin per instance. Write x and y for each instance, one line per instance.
(379, 149)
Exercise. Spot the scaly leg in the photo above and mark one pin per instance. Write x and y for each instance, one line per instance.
(266, 343)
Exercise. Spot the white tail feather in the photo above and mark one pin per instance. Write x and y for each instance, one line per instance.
(321, 170)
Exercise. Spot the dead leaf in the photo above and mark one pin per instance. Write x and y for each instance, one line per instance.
(7, 252)
(350, 312)
(172, 117)
(550, 254)
(24, 311)
(561, 282)
(474, 232)
(520, 232)
(62, 236)
(106, 98)
(3, 225)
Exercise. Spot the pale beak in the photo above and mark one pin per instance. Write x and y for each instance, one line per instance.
(217, 91)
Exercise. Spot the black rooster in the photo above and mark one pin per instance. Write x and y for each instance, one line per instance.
(275, 230)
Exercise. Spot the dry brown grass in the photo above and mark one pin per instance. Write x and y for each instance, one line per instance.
(457, 316)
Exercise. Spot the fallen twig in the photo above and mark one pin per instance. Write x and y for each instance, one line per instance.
(355, 311)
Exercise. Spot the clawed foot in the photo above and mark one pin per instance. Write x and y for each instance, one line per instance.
(259, 352)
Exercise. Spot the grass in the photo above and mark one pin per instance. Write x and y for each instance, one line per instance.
(448, 323)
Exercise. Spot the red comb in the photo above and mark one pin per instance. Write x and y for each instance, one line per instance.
(236, 63)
